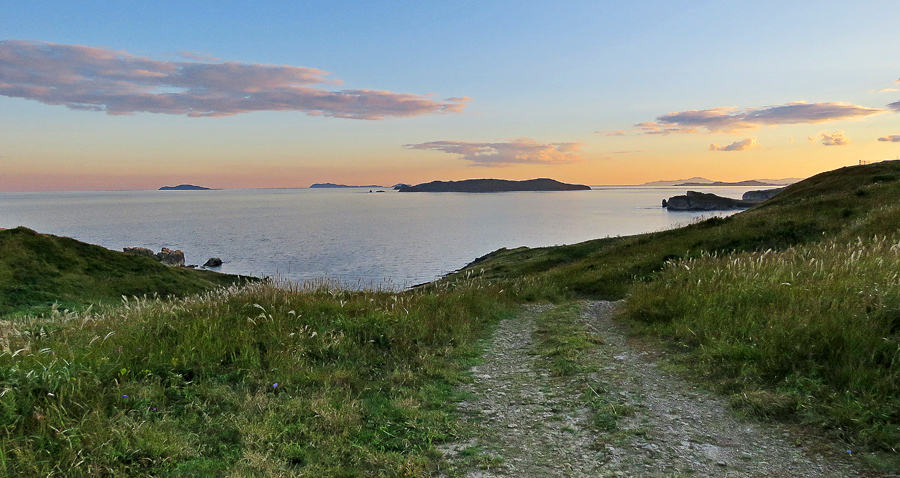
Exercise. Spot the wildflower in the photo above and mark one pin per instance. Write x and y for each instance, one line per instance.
(124, 396)
(275, 385)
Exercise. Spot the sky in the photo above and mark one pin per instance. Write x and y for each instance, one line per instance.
(124, 95)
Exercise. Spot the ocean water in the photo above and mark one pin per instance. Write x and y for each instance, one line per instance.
(387, 239)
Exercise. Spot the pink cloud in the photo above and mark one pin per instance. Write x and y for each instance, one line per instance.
(98, 79)
(731, 119)
(517, 151)
(617, 132)
(834, 139)
(749, 143)
(894, 138)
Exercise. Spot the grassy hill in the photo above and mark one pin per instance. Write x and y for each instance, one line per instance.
(791, 308)
(840, 203)
(39, 270)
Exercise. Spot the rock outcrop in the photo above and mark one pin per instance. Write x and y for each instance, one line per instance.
(170, 258)
(696, 201)
(166, 256)
(213, 262)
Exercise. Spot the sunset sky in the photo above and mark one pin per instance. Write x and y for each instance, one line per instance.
(127, 95)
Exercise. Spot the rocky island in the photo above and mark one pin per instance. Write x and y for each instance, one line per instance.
(493, 186)
(697, 201)
(183, 187)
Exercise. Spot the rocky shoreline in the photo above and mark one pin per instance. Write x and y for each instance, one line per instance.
(169, 257)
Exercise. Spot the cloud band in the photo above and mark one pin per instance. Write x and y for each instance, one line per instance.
(518, 151)
(98, 79)
(730, 119)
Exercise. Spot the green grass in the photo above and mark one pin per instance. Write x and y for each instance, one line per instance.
(812, 331)
(564, 343)
(40, 270)
(254, 381)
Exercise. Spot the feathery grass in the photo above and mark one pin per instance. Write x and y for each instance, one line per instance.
(812, 330)
(264, 380)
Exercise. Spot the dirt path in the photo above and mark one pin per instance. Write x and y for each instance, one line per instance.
(529, 424)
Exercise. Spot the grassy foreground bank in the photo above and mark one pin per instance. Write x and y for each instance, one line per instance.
(260, 380)
(790, 306)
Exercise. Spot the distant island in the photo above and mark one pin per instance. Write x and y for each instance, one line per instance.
(493, 186)
(751, 182)
(698, 181)
(183, 187)
(332, 185)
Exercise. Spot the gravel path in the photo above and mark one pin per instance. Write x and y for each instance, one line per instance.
(529, 424)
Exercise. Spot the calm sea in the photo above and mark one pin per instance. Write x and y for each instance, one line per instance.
(346, 234)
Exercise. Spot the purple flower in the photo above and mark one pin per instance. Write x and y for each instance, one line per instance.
(124, 396)
(275, 385)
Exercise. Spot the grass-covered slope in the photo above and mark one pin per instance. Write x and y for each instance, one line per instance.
(39, 270)
(259, 381)
(827, 205)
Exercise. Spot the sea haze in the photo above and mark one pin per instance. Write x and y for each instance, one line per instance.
(350, 235)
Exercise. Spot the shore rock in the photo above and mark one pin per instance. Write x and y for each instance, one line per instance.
(170, 258)
(213, 262)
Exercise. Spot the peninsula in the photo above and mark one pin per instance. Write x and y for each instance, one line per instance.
(493, 186)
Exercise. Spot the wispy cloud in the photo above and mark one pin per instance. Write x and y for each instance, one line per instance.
(885, 90)
(99, 79)
(749, 143)
(893, 138)
(732, 119)
(894, 106)
(517, 151)
(617, 132)
(652, 127)
(834, 139)
(632, 151)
